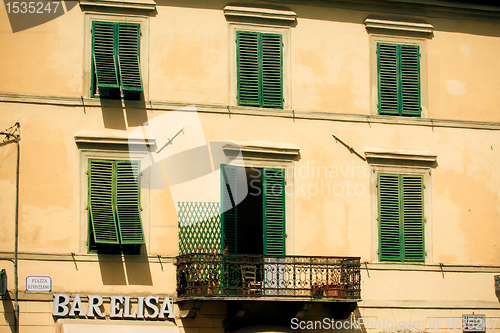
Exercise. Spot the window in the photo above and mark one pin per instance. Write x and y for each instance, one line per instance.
(260, 72)
(401, 186)
(398, 56)
(259, 56)
(398, 70)
(401, 218)
(114, 210)
(115, 60)
(250, 213)
(257, 224)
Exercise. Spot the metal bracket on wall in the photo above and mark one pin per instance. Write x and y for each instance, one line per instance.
(351, 149)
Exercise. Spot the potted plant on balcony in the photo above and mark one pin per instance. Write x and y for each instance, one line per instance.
(329, 289)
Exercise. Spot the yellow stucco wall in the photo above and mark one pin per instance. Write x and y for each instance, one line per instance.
(330, 66)
(333, 211)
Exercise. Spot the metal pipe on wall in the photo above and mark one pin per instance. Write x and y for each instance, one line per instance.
(16, 219)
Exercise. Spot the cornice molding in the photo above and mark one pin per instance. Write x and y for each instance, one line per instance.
(147, 5)
(397, 25)
(260, 13)
(152, 106)
(400, 154)
(262, 148)
(113, 137)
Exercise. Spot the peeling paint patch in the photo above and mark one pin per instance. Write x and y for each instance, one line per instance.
(455, 87)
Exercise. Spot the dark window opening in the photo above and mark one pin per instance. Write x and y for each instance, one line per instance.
(249, 215)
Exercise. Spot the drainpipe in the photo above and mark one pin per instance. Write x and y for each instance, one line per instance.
(16, 288)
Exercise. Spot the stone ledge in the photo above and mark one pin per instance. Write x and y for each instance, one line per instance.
(261, 13)
(148, 5)
(397, 25)
(400, 154)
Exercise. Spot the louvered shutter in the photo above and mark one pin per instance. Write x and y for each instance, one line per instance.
(128, 210)
(248, 68)
(101, 205)
(389, 217)
(398, 79)
(272, 76)
(274, 211)
(260, 69)
(388, 77)
(229, 176)
(128, 57)
(413, 226)
(410, 80)
(103, 53)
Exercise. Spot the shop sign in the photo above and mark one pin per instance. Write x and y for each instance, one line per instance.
(120, 307)
(38, 284)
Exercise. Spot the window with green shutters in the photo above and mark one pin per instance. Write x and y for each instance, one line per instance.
(114, 205)
(401, 218)
(398, 69)
(115, 60)
(271, 191)
(259, 69)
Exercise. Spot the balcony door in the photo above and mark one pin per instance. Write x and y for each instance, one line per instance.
(254, 224)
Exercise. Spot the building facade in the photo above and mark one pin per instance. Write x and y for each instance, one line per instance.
(268, 166)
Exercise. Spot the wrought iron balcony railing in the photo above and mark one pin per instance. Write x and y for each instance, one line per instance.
(203, 275)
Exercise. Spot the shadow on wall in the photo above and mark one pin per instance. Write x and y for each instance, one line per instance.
(447, 19)
(126, 270)
(356, 315)
(8, 311)
(497, 287)
(119, 117)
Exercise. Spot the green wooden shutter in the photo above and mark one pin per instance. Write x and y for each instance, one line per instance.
(389, 218)
(248, 68)
(398, 69)
(388, 97)
(101, 205)
(128, 210)
(272, 76)
(128, 56)
(260, 69)
(103, 54)
(410, 80)
(401, 218)
(274, 211)
(413, 218)
(229, 176)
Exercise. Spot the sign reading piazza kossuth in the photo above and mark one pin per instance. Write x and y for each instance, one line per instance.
(148, 307)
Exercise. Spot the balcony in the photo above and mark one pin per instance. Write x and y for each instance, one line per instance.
(205, 276)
